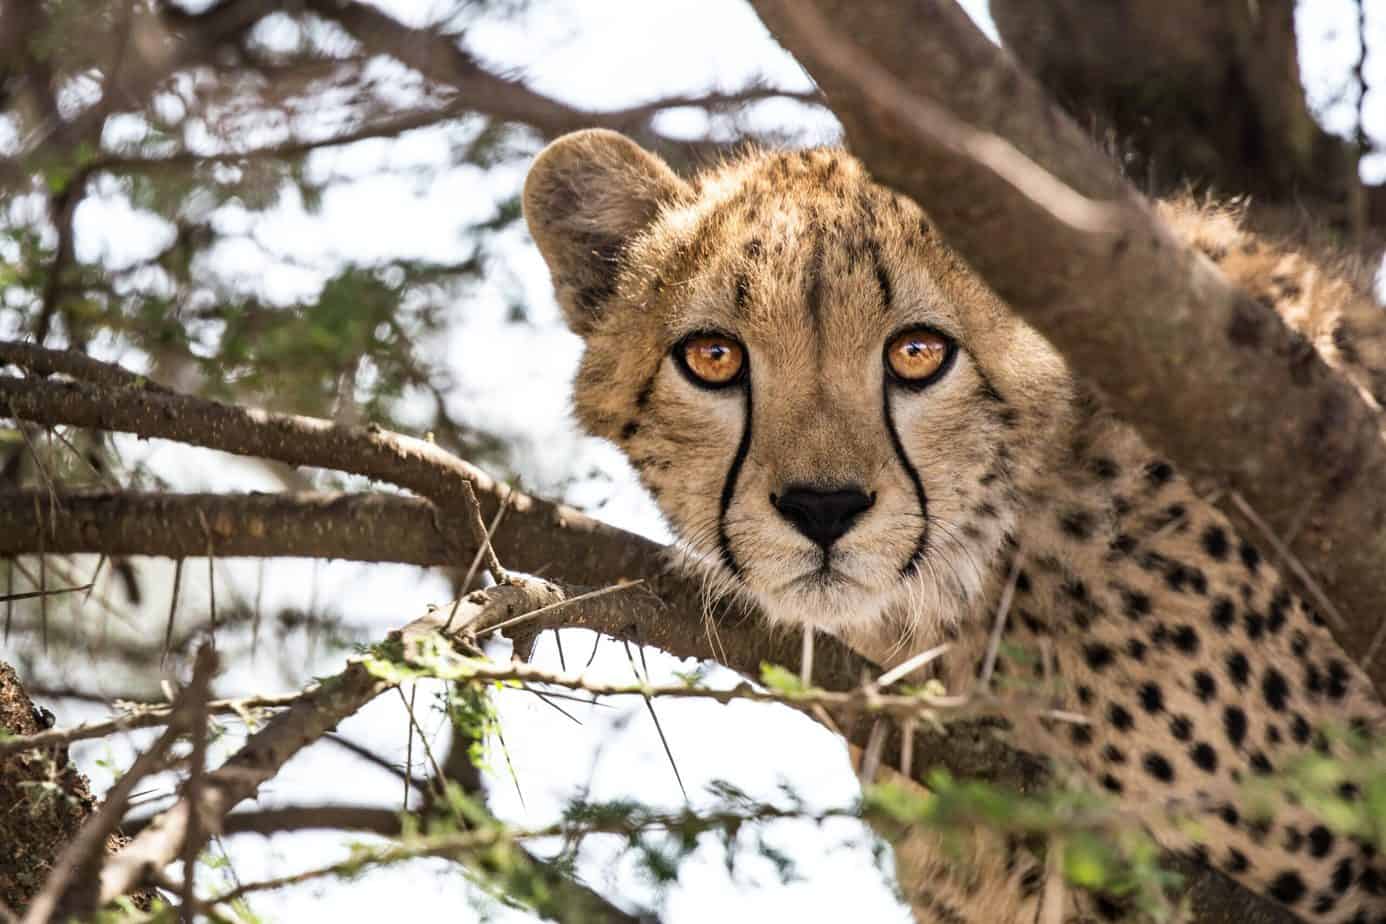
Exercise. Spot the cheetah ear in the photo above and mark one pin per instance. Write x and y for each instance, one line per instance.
(587, 196)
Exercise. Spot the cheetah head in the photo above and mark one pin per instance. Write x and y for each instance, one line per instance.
(836, 416)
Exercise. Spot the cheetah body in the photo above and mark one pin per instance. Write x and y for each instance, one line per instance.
(1197, 668)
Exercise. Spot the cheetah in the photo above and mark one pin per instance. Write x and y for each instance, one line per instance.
(843, 425)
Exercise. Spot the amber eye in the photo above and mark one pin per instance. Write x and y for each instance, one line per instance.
(917, 356)
(711, 360)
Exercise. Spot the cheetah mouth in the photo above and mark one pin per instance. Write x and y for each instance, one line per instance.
(822, 578)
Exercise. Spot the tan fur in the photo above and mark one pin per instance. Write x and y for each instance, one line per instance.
(1140, 593)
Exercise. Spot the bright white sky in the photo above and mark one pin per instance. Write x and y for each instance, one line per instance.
(513, 380)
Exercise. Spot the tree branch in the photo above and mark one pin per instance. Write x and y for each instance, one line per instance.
(366, 527)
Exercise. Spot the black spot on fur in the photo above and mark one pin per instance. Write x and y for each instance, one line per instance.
(1181, 727)
(1186, 639)
(1343, 875)
(631, 428)
(1097, 655)
(1224, 613)
(1251, 558)
(1077, 524)
(1337, 679)
(1313, 678)
(1120, 717)
(1215, 542)
(1234, 724)
(1158, 767)
(1204, 757)
(1276, 616)
(1134, 604)
(1158, 473)
(1254, 624)
(1238, 670)
(1299, 644)
(1287, 888)
(1275, 689)
(1205, 687)
(1151, 697)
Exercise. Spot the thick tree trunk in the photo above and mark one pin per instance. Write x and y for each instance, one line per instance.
(1191, 93)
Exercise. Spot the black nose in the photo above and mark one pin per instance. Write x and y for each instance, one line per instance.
(822, 515)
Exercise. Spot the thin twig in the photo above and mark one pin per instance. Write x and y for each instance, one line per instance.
(482, 535)
(649, 705)
(482, 547)
(580, 598)
(416, 727)
(1003, 609)
(172, 609)
(31, 594)
(871, 755)
(905, 668)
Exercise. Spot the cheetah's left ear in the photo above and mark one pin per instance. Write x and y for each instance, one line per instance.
(587, 195)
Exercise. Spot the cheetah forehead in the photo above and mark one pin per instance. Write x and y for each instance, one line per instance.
(784, 246)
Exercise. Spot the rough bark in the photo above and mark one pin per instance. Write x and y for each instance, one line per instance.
(46, 802)
(1209, 377)
(1191, 93)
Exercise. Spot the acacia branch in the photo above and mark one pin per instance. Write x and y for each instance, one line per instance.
(1167, 339)
(366, 527)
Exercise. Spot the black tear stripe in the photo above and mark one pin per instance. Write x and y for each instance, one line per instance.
(729, 488)
(910, 567)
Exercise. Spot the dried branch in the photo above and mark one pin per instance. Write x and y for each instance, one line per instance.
(1274, 421)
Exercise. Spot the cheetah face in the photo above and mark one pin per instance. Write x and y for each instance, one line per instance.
(834, 415)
